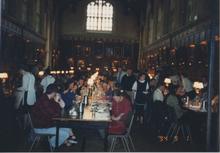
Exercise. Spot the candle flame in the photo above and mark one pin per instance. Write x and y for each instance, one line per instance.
(92, 79)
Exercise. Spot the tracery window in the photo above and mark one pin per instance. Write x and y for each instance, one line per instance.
(99, 16)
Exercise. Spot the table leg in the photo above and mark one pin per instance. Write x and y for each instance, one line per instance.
(106, 139)
(83, 143)
(57, 137)
(83, 140)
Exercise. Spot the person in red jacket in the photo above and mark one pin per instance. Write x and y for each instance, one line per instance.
(121, 107)
(46, 108)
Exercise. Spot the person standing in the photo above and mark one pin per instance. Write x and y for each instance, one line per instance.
(127, 83)
(128, 80)
(28, 87)
(140, 89)
(120, 75)
(47, 80)
(25, 95)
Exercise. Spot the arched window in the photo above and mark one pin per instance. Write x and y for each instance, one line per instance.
(99, 16)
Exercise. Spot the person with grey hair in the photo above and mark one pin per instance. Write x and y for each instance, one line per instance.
(47, 80)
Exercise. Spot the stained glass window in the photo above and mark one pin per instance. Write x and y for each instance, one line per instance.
(99, 16)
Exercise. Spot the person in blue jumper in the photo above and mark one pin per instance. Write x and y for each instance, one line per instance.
(69, 95)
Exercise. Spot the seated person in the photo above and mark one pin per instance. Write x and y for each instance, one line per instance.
(69, 95)
(108, 90)
(47, 107)
(99, 93)
(157, 105)
(121, 107)
(180, 91)
(172, 101)
(80, 84)
(215, 103)
(158, 95)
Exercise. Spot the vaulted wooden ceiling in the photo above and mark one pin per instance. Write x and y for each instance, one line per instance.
(135, 6)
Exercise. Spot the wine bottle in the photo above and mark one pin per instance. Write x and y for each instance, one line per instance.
(81, 108)
(86, 100)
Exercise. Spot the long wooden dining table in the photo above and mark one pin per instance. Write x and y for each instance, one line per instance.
(87, 120)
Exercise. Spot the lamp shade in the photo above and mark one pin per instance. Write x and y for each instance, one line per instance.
(71, 71)
(53, 72)
(4, 75)
(41, 73)
(167, 80)
(198, 85)
(150, 75)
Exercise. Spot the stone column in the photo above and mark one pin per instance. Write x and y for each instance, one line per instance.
(48, 47)
(141, 37)
(0, 33)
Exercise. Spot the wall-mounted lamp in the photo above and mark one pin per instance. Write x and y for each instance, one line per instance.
(114, 69)
(198, 86)
(167, 81)
(41, 73)
(217, 38)
(192, 45)
(173, 50)
(203, 43)
(53, 72)
(4, 76)
(151, 76)
(71, 71)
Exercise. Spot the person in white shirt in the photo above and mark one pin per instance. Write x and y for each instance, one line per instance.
(25, 95)
(140, 82)
(158, 103)
(140, 89)
(187, 85)
(158, 93)
(47, 80)
(27, 89)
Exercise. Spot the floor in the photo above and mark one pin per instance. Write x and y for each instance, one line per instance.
(12, 139)
(143, 141)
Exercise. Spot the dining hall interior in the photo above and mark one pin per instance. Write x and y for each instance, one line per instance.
(109, 75)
